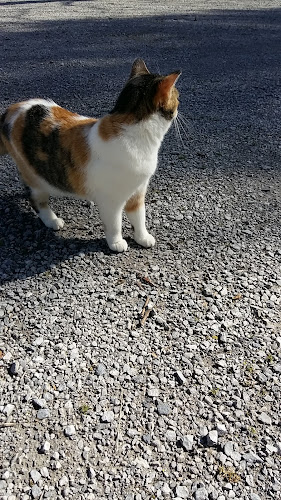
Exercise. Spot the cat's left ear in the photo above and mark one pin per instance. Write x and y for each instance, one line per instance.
(165, 86)
(139, 68)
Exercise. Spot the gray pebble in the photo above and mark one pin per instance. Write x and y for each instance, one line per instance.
(100, 369)
(201, 494)
(251, 457)
(187, 442)
(163, 408)
(43, 413)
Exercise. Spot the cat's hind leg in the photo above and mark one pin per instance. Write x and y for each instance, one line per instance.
(39, 201)
(135, 210)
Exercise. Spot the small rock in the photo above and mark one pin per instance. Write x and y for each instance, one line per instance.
(254, 496)
(153, 392)
(251, 457)
(63, 481)
(100, 369)
(146, 438)
(212, 438)
(141, 463)
(221, 429)
(182, 492)
(44, 472)
(264, 418)
(108, 416)
(3, 484)
(229, 450)
(9, 408)
(201, 494)
(43, 413)
(35, 475)
(70, 431)
(171, 435)
(163, 408)
(166, 490)
(223, 337)
(45, 448)
(13, 369)
(39, 403)
(91, 473)
(36, 491)
(180, 378)
(271, 449)
(187, 442)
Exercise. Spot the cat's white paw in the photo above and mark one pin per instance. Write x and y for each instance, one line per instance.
(119, 246)
(56, 224)
(146, 241)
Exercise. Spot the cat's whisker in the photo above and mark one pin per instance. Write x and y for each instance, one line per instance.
(183, 119)
(178, 133)
(184, 131)
(184, 123)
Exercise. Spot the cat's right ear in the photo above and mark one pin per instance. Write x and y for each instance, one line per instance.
(139, 68)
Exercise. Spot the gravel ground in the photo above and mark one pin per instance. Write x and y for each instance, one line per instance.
(155, 373)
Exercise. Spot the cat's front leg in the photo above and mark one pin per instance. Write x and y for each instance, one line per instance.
(111, 216)
(135, 210)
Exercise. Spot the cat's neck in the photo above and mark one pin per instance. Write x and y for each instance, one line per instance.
(151, 129)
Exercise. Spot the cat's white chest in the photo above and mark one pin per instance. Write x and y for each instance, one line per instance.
(127, 160)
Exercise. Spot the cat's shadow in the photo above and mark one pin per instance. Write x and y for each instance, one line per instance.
(28, 248)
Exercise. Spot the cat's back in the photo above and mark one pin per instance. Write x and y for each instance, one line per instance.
(48, 141)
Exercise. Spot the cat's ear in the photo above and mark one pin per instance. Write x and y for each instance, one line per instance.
(165, 85)
(139, 68)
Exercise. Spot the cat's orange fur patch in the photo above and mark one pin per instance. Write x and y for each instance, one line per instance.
(72, 132)
(111, 125)
(135, 202)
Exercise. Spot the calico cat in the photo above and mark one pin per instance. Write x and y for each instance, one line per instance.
(108, 160)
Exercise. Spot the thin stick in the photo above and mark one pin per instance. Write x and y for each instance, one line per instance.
(145, 305)
(7, 424)
(146, 314)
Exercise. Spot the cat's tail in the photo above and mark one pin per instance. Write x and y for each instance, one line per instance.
(3, 149)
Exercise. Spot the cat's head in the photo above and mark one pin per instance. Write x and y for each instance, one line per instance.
(146, 93)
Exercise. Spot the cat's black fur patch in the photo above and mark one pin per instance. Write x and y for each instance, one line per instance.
(5, 127)
(58, 160)
(137, 96)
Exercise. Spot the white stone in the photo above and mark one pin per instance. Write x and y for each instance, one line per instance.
(212, 438)
(44, 472)
(70, 430)
(108, 416)
(264, 418)
(46, 447)
(35, 475)
(9, 408)
(166, 490)
(182, 492)
(153, 392)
